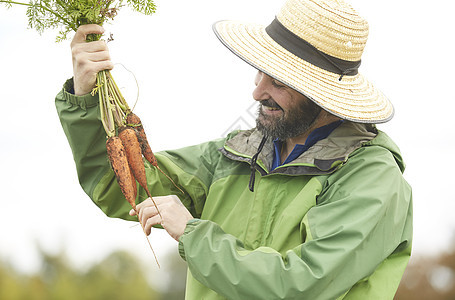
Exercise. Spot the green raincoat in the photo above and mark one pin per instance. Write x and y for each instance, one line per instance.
(336, 223)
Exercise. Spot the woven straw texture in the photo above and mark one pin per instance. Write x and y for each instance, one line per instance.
(331, 26)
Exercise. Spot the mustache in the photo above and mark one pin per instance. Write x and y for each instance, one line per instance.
(269, 103)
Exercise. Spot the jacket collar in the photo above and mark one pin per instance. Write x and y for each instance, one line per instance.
(324, 157)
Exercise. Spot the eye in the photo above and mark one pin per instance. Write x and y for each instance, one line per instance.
(278, 84)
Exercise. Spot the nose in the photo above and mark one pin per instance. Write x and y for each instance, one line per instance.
(261, 91)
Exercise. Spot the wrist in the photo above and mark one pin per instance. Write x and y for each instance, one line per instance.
(84, 101)
(78, 91)
(83, 85)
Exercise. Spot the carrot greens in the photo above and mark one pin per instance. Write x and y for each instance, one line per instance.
(67, 16)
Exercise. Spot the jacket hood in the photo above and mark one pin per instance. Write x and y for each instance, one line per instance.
(324, 157)
(384, 141)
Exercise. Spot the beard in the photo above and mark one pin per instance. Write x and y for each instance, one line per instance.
(290, 123)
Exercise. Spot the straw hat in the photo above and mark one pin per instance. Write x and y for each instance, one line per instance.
(315, 47)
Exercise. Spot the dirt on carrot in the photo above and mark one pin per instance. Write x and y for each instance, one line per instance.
(133, 183)
(134, 156)
(119, 162)
(135, 122)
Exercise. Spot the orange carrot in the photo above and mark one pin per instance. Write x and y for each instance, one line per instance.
(117, 157)
(133, 182)
(134, 121)
(119, 161)
(134, 156)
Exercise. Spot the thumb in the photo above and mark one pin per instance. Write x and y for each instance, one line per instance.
(84, 30)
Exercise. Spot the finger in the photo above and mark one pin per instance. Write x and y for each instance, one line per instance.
(85, 75)
(149, 202)
(96, 46)
(98, 56)
(156, 220)
(84, 30)
(147, 213)
(141, 209)
(143, 204)
(132, 212)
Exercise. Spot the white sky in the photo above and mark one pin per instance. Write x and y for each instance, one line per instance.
(193, 89)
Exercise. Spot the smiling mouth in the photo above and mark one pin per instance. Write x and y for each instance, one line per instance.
(270, 108)
(270, 105)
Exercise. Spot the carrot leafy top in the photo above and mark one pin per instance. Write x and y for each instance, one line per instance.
(68, 15)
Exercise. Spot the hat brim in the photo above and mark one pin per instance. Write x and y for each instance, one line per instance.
(353, 98)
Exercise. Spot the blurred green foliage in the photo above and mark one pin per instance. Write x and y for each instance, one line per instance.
(118, 276)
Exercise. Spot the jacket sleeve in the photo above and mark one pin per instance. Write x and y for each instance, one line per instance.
(80, 119)
(361, 220)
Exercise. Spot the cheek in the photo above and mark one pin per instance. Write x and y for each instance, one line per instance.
(285, 100)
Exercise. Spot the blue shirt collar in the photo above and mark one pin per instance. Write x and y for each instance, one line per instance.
(315, 136)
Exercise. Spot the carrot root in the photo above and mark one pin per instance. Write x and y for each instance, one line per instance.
(134, 156)
(167, 176)
(119, 163)
(146, 237)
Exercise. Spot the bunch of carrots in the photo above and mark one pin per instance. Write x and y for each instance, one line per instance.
(125, 152)
(126, 143)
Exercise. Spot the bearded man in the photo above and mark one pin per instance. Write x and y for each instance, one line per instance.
(310, 204)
